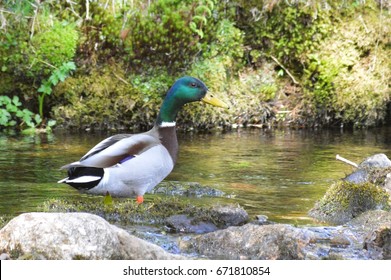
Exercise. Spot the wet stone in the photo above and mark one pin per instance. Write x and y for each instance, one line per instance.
(188, 189)
(261, 220)
(228, 215)
(378, 243)
(185, 224)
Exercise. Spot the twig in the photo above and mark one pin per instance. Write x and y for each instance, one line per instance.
(34, 18)
(88, 10)
(286, 70)
(363, 23)
(338, 157)
(72, 9)
(121, 79)
(7, 12)
(3, 20)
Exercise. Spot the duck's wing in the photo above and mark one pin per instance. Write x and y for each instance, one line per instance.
(105, 144)
(115, 149)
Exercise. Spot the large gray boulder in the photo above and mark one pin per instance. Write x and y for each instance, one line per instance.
(251, 241)
(68, 236)
(365, 237)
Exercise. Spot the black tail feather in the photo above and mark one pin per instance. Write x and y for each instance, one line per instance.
(76, 172)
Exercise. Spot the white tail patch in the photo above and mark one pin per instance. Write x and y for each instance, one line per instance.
(82, 179)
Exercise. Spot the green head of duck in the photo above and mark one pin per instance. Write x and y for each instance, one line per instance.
(185, 90)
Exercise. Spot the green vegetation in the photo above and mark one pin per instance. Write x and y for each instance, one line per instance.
(304, 63)
(344, 201)
(12, 114)
(58, 75)
(127, 211)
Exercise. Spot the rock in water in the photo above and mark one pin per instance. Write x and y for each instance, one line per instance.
(229, 215)
(375, 161)
(365, 237)
(366, 168)
(68, 236)
(251, 241)
(379, 242)
(185, 224)
(344, 201)
(218, 216)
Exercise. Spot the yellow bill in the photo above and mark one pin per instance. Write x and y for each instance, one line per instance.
(210, 99)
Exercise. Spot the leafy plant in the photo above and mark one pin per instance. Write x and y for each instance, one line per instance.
(51, 46)
(170, 34)
(201, 14)
(12, 113)
(59, 74)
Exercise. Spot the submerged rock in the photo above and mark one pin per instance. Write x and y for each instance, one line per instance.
(185, 224)
(73, 236)
(365, 237)
(261, 220)
(251, 241)
(189, 189)
(208, 219)
(344, 201)
(229, 215)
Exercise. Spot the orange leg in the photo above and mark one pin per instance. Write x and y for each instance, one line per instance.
(139, 199)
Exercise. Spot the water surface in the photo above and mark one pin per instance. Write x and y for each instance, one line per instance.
(278, 173)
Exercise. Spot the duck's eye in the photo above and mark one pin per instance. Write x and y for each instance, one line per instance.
(193, 84)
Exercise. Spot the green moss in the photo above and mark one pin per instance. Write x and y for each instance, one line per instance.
(346, 80)
(53, 44)
(284, 30)
(378, 175)
(169, 33)
(127, 211)
(344, 201)
(107, 98)
(102, 99)
(123, 211)
(243, 50)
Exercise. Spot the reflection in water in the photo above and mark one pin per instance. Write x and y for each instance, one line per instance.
(279, 173)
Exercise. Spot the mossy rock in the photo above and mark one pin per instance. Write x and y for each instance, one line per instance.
(154, 212)
(344, 201)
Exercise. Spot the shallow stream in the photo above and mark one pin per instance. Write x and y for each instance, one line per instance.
(278, 173)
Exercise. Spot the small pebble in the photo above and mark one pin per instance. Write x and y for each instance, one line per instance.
(261, 219)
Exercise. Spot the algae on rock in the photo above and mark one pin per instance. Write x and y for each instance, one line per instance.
(156, 212)
(344, 201)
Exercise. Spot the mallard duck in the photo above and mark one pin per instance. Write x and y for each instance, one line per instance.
(128, 165)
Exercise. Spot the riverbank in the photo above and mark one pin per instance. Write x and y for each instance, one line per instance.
(277, 63)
